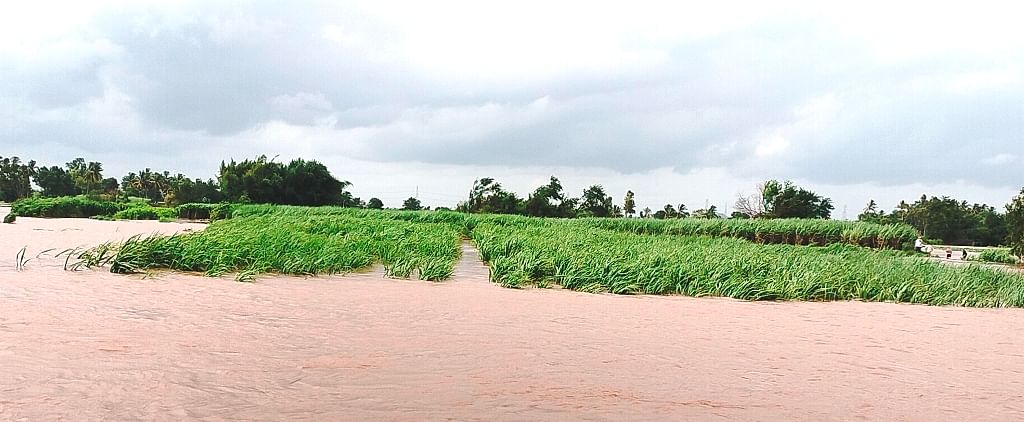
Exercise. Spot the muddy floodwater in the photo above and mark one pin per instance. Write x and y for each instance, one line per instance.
(90, 345)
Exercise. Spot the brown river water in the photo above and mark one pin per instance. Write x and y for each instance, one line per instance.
(90, 345)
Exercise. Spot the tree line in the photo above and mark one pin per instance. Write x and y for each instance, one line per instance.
(309, 182)
(948, 220)
(551, 200)
(773, 199)
(261, 180)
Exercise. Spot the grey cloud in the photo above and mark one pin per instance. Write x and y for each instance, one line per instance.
(221, 72)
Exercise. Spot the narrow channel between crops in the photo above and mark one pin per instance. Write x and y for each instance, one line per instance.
(752, 260)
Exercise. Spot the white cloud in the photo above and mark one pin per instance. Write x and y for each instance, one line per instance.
(337, 33)
(771, 146)
(972, 82)
(683, 102)
(1000, 159)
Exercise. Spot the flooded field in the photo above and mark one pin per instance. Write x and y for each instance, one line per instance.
(91, 345)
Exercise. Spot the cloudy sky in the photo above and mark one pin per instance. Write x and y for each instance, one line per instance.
(690, 103)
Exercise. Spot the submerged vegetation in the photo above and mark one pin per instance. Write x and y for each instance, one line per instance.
(66, 207)
(775, 231)
(146, 212)
(779, 243)
(695, 258)
(596, 260)
(281, 243)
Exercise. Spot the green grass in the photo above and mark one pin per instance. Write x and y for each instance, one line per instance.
(64, 207)
(195, 211)
(1000, 256)
(598, 260)
(592, 255)
(80, 206)
(771, 231)
(289, 244)
(146, 213)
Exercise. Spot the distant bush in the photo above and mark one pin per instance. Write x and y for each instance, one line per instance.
(9, 218)
(146, 213)
(996, 255)
(65, 207)
(195, 211)
(793, 231)
(222, 211)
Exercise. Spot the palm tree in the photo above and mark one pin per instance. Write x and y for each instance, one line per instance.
(92, 176)
(681, 211)
(670, 211)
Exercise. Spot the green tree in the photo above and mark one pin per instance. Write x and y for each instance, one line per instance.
(945, 219)
(786, 200)
(412, 204)
(143, 184)
(681, 211)
(15, 178)
(88, 176)
(710, 212)
(871, 213)
(1015, 224)
(487, 196)
(629, 204)
(300, 182)
(182, 190)
(55, 181)
(109, 187)
(670, 211)
(375, 204)
(549, 201)
(595, 202)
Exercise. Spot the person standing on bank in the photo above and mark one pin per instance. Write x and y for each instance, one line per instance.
(920, 246)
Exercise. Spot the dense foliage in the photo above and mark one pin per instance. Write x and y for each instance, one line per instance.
(83, 206)
(55, 181)
(15, 178)
(947, 219)
(264, 181)
(64, 207)
(412, 204)
(775, 199)
(488, 197)
(595, 203)
(146, 212)
(1000, 256)
(172, 190)
(1015, 224)
(302, 182)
